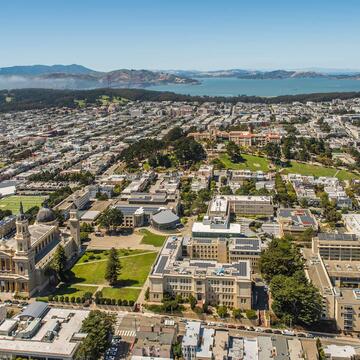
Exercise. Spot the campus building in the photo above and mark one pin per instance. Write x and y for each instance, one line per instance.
(333, 266)
(295, 222)
(216, 223)
(24, 257)
(225, 250)
(208, 281)
(241, 138)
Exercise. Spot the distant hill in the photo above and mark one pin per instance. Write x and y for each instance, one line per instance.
(257, 74)
(79, 77)
(34, 70)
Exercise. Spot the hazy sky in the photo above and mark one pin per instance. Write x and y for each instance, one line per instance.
(181, 34)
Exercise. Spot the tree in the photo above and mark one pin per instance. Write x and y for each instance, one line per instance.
(111, 218)
(147, 294)
(188, 151)
(174, 134)
(192, 302)
(280, 258)
(273, 151)
(222, 311)
(58, 263)
(112, 267)
(233, 151)
(226, 190)
(296, 299)
(99, 327)
(237, 313)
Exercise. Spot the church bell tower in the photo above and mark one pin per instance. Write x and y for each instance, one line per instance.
(22, 237)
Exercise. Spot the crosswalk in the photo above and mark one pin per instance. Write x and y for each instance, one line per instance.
(127, 333)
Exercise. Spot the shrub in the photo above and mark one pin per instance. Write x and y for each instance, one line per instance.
(83, 299)
(61, 298)
(86, 260)
(131, 302)
(66, 299)
(251, 314)
(78, 300)
(119, 302)
(113, 301)
(56, 298)
(50, 298)
(88, 295)
(92, 257)
(125, 302)
(72, 299)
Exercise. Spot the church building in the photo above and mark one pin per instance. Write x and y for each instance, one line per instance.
(25, 257)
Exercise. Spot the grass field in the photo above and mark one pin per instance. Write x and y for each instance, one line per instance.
(75, 290)
(93, 255)
(251, 162)
(134, 271)
(152, 239)
(315, 170)
(121, 293)
(13, 202)
(80, 103)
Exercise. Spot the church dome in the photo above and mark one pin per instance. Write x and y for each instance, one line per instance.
(45, 215)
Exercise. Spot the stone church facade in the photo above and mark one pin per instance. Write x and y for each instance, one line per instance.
(25, 257)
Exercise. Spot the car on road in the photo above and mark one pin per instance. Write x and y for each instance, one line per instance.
(288, 333)
(277, 332)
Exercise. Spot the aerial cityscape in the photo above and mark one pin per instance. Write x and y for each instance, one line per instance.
(179, 180)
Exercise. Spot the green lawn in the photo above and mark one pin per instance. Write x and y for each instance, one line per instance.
(13, 202)
(134, 271)
(251, 162)
(346, 175)
(80, 103)
(316, 170)
(152, 239)
(121, 293)
(94, 255)
(75, 290)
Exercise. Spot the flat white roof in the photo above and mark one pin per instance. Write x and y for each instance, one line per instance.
(192, 333)
(90, 215)
(200, 227)
(340, 351)
(59, 347)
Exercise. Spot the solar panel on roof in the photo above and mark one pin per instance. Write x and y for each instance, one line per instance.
(203, 264)
(161, 265)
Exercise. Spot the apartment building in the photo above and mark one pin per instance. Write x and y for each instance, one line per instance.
(207, 280)
(197, 343)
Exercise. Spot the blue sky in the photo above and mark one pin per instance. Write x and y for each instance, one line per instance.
(181, 34)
